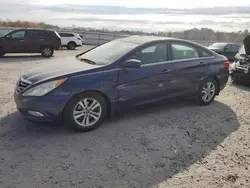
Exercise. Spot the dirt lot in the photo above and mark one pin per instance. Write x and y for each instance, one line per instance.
(171, 145)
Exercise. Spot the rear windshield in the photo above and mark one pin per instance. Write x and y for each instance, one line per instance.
(109, 52)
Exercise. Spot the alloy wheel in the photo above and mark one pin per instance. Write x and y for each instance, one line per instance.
(47, 52)
(87, 112)
(208, 91)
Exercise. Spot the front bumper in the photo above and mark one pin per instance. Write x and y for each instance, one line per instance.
(239, 75)
(50, 106)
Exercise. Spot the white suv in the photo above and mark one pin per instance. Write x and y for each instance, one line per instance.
(70, 40)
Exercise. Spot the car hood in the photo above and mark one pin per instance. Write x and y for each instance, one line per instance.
(246, 43)
(56, 68)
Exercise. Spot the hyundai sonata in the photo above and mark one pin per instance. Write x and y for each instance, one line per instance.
(83, 90)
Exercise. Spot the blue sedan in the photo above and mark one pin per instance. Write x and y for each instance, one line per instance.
(83, 90)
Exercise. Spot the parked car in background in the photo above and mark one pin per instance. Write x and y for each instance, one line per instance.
(30, 41)
(70, 40)
(82, 38)
(122, 73)
(227, 49)
(240, 68)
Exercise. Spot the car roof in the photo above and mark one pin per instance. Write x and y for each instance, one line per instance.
(33, 29)
(138, 39)
(226, 43)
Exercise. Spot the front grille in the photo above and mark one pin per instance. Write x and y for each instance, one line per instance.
(21, 85)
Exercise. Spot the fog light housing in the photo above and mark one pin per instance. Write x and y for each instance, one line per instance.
(35, 113)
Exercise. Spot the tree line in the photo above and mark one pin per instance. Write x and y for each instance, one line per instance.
(27, 24)
(203, 34)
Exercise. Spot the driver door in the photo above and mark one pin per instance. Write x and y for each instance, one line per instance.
(150, 81)
(15, 42)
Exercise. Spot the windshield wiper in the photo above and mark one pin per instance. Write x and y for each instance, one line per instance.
(88, 61)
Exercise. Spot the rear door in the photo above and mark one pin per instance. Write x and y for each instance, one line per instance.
(150, 81)
(189, 66)
(36, 39)
(14, 42)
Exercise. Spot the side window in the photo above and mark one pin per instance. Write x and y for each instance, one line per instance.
(205, 54)
(235, 48)
(184, 51)
(66, 35)
(228, 48)
(36, 34)
(18, 35)
(62, 34)
(152, 54)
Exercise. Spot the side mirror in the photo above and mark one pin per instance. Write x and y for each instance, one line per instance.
(226, 48)
(8, 37)
(131, 63)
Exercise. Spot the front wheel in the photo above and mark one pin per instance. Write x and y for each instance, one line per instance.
(47, 51)
(207, 92)
(85, 112)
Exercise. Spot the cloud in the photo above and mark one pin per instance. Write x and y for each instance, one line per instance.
(129, 10)
(111, 15)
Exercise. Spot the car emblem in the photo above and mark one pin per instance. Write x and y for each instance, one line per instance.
(246, 71)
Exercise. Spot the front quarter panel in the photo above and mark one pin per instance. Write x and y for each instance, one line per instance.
(104, 81)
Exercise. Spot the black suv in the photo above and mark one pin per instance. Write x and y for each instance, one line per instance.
(30, 41)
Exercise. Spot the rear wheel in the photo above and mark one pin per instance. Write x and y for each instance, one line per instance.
(47, 51)
(71, 45)
(207, 92)
(85, 112)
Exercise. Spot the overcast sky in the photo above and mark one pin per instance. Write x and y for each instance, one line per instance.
(153, 15)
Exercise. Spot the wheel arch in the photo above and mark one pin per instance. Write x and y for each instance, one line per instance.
(71, 42)
(217, 81)
(107, 99)
(46, 45)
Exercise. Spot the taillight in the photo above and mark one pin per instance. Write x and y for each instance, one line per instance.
(227, 64)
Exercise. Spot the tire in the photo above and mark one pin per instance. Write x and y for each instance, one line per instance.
(211, 84)
(71, 46)
(47, 51)
(78, 114)
(1, 52)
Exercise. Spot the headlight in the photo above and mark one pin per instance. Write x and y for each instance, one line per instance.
(44, 88)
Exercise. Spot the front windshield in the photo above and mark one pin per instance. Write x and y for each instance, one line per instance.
(218, 45)
(109, 52)
(242, 50)
(4, 32)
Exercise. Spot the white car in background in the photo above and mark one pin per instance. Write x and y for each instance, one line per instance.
(83, 40)
(70, 40)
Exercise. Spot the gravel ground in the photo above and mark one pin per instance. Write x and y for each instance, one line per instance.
(169, 145)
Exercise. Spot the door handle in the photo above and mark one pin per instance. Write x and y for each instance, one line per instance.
(41, 39)
(202, 62)
(21, 40)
